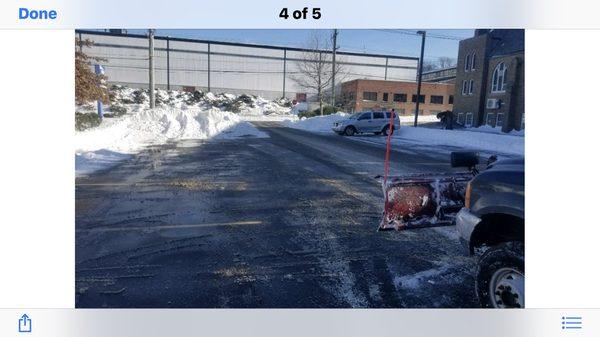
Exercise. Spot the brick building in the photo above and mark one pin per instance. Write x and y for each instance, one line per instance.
(490, 81)
(364, 95)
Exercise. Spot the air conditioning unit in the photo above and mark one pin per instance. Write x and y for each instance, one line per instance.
(492, 103)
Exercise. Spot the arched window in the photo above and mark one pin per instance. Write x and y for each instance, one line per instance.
(499, 78)
(473, 61)
(471, 87)
(468, 62)
(464, 87)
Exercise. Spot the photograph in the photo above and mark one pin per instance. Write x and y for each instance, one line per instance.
(299, 168)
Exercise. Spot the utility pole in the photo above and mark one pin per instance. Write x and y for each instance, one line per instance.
(420, 75)
(151, 66)
(333, 69)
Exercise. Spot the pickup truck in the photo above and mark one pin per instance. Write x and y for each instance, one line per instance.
(493, 220)
(377, 122)
(488, 209)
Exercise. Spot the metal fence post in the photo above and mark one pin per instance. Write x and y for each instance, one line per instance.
(168, 65)
(208, 64)
(386, 66)
(284, 70)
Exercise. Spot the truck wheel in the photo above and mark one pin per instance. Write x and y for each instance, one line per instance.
(500, 279)
(350, 131)
(386, 130)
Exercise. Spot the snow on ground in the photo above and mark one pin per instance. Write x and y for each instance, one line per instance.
(498, 130)
(178, 116)
(479, 139)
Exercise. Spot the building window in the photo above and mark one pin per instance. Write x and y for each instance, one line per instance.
(399, 97)
(451, 99)
(464, 87)
(471, 86)
(370, 96)
(469, 119)
(421, 98)
(468, 62)
(490, 118)
(434, 99)
(460, 119)
(473, 62)
(385, 96)
(499, 78)
(500, 120)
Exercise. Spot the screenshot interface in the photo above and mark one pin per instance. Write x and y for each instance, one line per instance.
(298, 169)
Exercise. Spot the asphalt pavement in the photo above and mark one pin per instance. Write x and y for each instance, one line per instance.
(287, 221)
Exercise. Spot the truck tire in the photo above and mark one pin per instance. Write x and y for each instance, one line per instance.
(500, 279)
(350, 131)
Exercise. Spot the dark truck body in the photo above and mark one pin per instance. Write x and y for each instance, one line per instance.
(496, 210)
(493, 219)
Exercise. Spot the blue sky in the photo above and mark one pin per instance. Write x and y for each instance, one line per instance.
(398, 42)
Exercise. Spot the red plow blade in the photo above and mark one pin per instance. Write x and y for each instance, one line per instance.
(423, 200)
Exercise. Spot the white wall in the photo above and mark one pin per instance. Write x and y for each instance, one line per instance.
(236, 69)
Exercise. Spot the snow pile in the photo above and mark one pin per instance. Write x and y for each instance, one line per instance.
(480, 141)
(116, 137)
(316, 124)
(125, 99)
(410, 119)
(133, 131)
(129, 125)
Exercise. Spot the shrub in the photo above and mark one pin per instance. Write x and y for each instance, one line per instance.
(195, 97)
(245, 99)
(118, 110)
(235, 106)
(84, 121)
(140, 96)
(327, 110)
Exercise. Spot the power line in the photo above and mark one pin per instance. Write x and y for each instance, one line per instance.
(414, 33)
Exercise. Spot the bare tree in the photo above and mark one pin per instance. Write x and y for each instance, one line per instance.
(429, 65)
(446, 62)
(441, 62)
(315, 69)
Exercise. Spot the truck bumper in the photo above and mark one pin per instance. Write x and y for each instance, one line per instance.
(338, 128)
(465, 224)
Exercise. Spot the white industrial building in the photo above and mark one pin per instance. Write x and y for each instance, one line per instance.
(263, 70)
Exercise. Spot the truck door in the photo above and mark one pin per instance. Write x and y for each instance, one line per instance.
(379, 121)
(364, 122)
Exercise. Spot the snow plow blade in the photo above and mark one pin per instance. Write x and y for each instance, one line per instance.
(423, 200)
